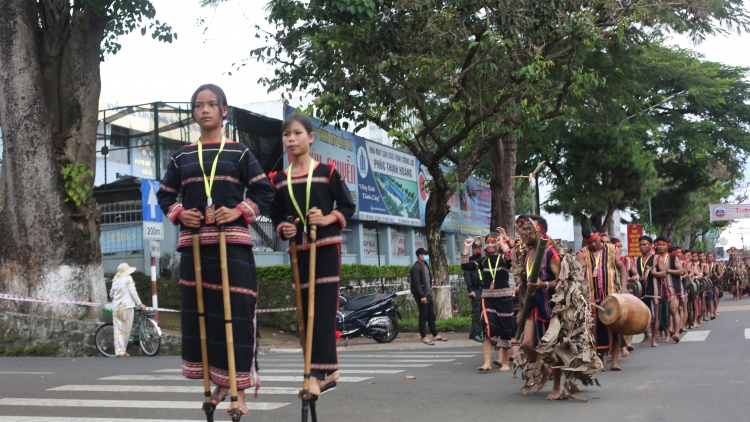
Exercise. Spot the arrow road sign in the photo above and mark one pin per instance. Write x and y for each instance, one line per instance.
(151, 210)
(153, 218)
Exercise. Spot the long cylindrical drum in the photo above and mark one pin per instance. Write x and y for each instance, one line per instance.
(624, 314)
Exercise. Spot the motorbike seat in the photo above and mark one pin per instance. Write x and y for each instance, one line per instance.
(362, 301)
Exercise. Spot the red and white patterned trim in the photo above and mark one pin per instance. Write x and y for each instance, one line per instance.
(200, 179)
(174, 211)
(213, 286)
(508, 292)
(167, 188)
(256, 178)
(326, 241)
(340, 217)
(210, 236)
(221, 378)
(249, 211)
(325, 366)
(302, 180)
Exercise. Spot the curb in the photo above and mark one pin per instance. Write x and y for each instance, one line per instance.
(392, 346)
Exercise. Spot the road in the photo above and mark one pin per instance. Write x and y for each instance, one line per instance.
(703, 378)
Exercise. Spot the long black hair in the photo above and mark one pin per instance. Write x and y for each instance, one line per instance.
(221, 98)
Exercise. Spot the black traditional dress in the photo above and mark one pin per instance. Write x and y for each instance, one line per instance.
(650, 284)
(239, 183)
(541, 311)
(497, 297)
(329, 193)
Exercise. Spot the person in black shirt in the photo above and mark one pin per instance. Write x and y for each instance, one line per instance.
(221, 183)
(474, 285)
(313, 193)
(421, 284)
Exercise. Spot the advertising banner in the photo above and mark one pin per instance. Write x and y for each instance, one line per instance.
(476, 207)
(635, 231)
(452, 222)
(387, 185)
(723, 212)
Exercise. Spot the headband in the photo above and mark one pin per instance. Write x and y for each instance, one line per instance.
(593, 237)
(661, 242)
(646, 240)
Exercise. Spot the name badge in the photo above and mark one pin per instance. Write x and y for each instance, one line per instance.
(210, 218)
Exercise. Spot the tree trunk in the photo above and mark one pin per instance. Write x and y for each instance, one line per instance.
(49, 94)
(607, 219)
(436, 210)
(502, 184)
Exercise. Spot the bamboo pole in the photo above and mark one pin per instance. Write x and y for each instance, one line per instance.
(528, 301)
(235, 413)
(297, 288)
(306, 398)
(208, 407)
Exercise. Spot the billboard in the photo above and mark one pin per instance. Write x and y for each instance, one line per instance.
(723, 212)
(388, 185)
(476, 206)
(452, 222)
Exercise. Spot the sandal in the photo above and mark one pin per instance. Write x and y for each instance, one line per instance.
(429, 343)
(439, 339)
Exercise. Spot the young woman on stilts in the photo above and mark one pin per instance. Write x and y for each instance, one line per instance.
(313, 194)
(222, 184)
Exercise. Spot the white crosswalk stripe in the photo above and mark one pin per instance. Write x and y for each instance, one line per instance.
(747, 333)
(281, 376)
(106, 404)
(342, 371)
(696, 336)
(188, 389)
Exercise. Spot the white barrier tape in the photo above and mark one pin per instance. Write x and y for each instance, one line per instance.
(66, 302)
(263, 311)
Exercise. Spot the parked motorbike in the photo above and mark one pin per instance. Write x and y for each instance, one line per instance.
(372, 315)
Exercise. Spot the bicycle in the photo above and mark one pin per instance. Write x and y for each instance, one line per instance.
(145, 331)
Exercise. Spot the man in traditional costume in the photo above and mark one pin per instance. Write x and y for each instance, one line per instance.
(537, 319)
(642, 270)
(601, 274)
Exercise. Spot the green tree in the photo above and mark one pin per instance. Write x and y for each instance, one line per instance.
(50, 52)
(451, 79)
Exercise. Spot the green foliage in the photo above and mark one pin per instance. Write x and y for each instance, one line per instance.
(77, 182)
(455, 323)
(12, 339)
(126, 16)
(42, 350)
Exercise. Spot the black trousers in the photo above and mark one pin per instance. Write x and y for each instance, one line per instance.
(476, 316)
(427, 314)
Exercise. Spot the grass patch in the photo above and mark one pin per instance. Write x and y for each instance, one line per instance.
(443, 325)
(42, 350)
(12, 339)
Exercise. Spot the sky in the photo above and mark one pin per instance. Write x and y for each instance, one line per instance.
(146, 70)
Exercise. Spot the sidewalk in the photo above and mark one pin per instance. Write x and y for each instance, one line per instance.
(278, 342)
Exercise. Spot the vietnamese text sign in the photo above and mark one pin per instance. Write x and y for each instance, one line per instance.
(635, 231)
(723, 212)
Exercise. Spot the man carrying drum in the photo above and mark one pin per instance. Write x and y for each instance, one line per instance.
(601, 274)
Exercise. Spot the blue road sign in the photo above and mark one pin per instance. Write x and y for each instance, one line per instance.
(151, 210)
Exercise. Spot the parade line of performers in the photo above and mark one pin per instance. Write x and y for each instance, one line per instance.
(218, 185)
(667, 279)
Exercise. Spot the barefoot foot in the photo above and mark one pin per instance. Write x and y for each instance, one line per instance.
(644, 341)
(333, 377)
(546, 374)
(554, 395)
(241, 405)
(218, 395)
(504, 368)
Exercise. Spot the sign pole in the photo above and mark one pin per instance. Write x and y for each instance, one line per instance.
(155, 249)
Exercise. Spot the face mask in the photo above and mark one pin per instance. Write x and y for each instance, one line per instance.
(427, 259)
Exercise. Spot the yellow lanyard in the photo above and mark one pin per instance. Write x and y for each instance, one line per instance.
(209, 184)
(643, 264)
(596, 262)
(493, 271)
(528, 267)
(307, 197)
